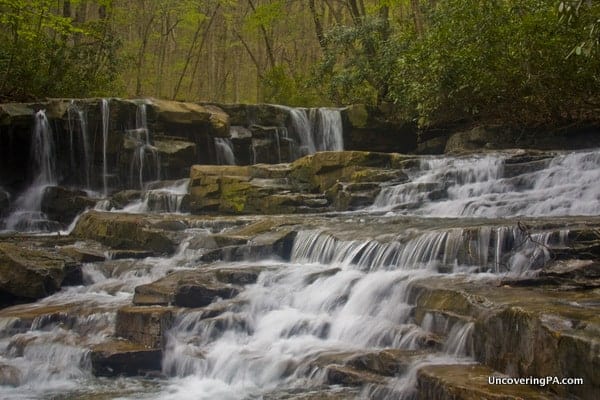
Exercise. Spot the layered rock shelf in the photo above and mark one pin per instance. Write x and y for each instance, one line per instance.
(329, 275)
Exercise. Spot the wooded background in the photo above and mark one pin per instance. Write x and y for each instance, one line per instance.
(533, 61)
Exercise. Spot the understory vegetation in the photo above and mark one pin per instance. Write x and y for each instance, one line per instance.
(530, 62)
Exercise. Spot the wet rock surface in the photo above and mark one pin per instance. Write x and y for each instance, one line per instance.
(523, 331)
(144, 325)
(470, 382)
(124, 358)
(27, 274)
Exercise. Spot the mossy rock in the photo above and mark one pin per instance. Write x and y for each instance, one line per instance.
(123, 231)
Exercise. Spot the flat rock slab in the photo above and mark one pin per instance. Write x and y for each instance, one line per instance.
(124, 358)
(470, 382)
(196, 288)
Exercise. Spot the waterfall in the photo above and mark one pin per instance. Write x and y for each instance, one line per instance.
(84, 141)
(318, 129)
(166, 199)
(327, 129)
(105, 126)
(224, 149)
(27, 215)
(143, 151)
(303, 128)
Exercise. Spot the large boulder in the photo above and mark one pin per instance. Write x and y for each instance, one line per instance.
(182, 119)
(126, 232)
(28, 274)
(176, 157)
(320, 171)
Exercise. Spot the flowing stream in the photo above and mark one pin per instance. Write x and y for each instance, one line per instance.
(343, 290)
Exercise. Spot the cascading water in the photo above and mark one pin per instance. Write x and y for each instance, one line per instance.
(224, 149)
(166, 199)
(344, 290)
(484, 186)
(27, 212)
(327, 129)
(143, 151)
(318, 129)
(74, 112)
(105, 110)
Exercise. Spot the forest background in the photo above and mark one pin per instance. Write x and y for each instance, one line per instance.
(534, 62)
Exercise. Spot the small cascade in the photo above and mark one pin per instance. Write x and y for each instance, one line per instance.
(27, 212)
(460, 340)
(318, 129)
(327, 129)
(485, 186)
(145, 160)
(166, 199)
(105, 126)
(498, 249)
(81, 153)
(302, 125)
(224, 148)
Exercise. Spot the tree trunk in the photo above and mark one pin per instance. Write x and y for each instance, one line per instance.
(269, 48)
(318, 25)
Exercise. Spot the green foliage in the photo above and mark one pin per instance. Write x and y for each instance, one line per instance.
(585, 16)
(265, 15)
(358, 64)
(43, 53)
(282, 87)
(495, 59)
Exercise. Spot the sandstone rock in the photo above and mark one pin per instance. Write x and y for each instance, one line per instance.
(185, 289)
(200, 295)
(219, 121)
(233, 189)
(520, 331)
(16, 114)
(125, 232)
(63, 205)
(470, 382)
(30, 274)
(144, 325)
(176, 112)
(321, 170)
(120, 199)
(121, 357)
(176, 157)
(339, 375)
(82, 254)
